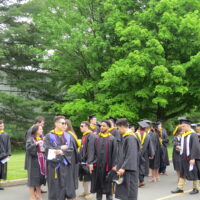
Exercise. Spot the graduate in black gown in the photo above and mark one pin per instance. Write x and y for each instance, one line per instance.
(176, 151)
(146, 151)
(77, 145)
(36, 162)
(87, 158)
(190, 158)
(164, 140)
(154, 163)
(5, 151)
(128, 163)
(39, 121)
(105, 162)
(60, 177)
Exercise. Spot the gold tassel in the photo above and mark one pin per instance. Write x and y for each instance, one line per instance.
(56, 175)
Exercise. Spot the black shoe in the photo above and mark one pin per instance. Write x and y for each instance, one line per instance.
(194, 191)
(1, 188)
(177, 190)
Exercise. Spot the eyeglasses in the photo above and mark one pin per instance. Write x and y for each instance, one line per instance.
(63, 123)
(81, 126)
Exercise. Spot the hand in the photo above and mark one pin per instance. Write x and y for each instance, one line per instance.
(121, 172)
(192, 162)
(39, 142)
(151, 158)
(91, 168)
(178, 148)
(58, 152)
(114, 168)
(64, 147)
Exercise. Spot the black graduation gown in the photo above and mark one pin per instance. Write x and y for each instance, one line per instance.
(87, 155)
(176, 154)
(118, 138)
(146, 151)
(155, 162)
(194, 154)
(60, 177)
(27, 135)
(5, 151)
(164, 158)
(129, 160)
(75, 162)
(35, 178)
(105, 160)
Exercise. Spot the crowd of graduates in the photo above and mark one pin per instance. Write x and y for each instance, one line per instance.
(112, 157)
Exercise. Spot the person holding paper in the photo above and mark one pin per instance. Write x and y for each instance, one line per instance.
(190, 158)
(5, 152)
(59, 150)
(36, 162)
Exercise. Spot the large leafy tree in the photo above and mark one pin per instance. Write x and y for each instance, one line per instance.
(124, 58)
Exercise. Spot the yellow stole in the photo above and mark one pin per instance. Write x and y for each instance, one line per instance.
(160, 137)
(92, 126)
(110, 129)
(78, 143)
(141, 139)
(187, 133)
(57, 132)
(105, 135)
(175, 130)
(128, 133)
(38, 138)
(86, 132)
(2, 131)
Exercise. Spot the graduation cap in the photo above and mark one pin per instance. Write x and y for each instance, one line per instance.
(193, 125)
(185, 121)
(111, 176)
(181, 118)
(155, 124)
(147, 121)
(143, 124)
(198, 124)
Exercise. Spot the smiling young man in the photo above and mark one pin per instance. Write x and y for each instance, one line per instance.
(5, 151)
(128, 163)
(190, 158)
(105, 162)
(60, 177)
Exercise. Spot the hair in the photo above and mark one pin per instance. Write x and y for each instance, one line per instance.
(34, 130)
(1, 122)
(107, 122)
(122, 122)
(86, 123)
(57, 118)
(39, 119)
(178, 131)
(69, 125)
(91, 117)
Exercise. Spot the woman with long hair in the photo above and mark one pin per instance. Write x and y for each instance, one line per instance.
(36, 162)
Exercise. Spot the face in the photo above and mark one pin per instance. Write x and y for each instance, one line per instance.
(133, 129)
(198, 129)
(83, 128)
(60, 125)
(1, 126)
(121, 129)
(40, 131)
(185, 127)
(93, 120)
(112, 123)
(104, 127)
(41, 123)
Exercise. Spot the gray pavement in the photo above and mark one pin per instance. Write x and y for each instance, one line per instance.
(151, 191)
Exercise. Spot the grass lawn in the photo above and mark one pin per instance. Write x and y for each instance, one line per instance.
(16, 166)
